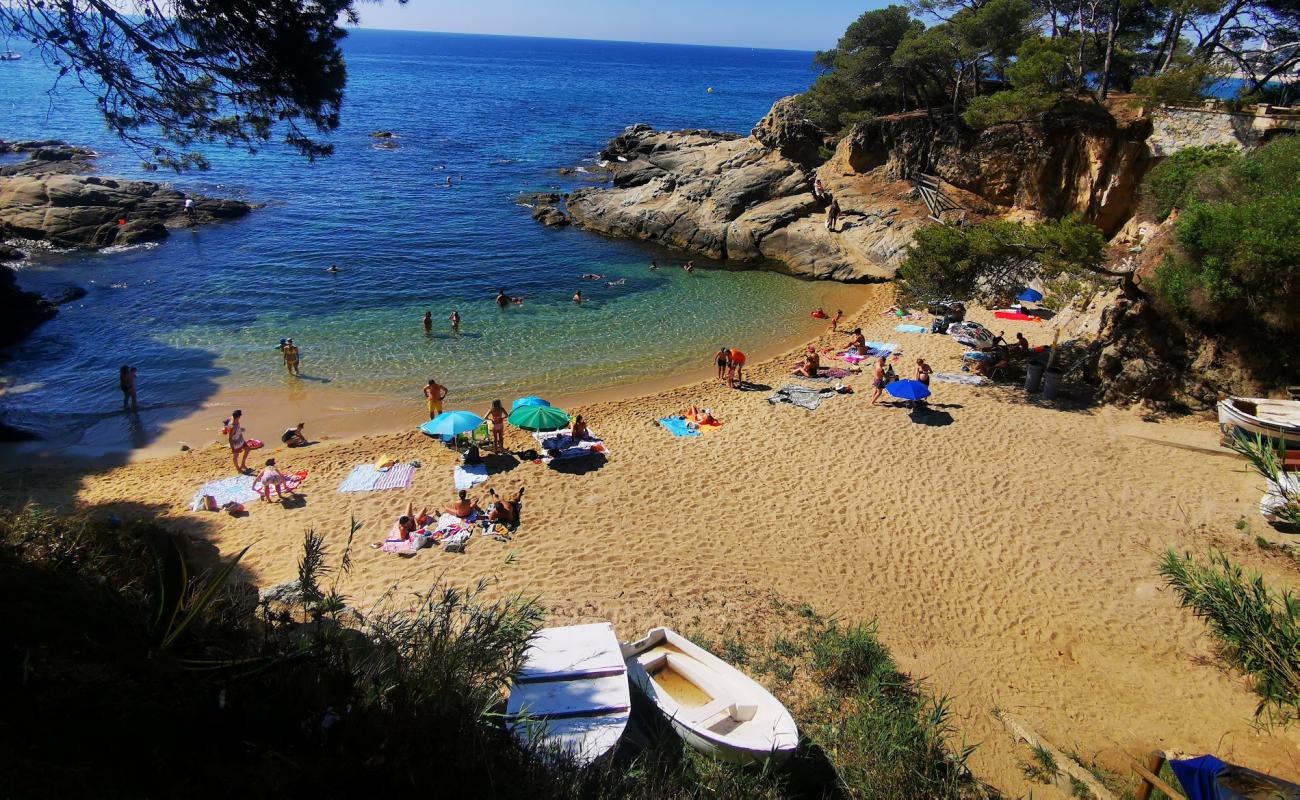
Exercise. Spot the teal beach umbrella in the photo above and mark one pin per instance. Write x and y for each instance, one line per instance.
(528, 401)
(539, 418)
(452, 423)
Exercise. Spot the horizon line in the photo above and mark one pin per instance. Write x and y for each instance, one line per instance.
(351, 28)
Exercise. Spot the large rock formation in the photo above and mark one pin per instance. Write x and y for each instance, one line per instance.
(47, 198)
(727, 197)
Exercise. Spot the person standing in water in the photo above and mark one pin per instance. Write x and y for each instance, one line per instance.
(689, 266)
(428, 322)
(654, 265)
(577, 297)
(434, 394)
(455, 321)
(126, 379)
(291, 356)
(502, 299)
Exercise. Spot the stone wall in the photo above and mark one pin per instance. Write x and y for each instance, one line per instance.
(1174, 128)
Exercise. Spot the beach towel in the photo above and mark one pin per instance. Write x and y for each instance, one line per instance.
(959, 377)
(366, 478)
(824, 374)
(677, 427)
(1016, 315)
(802, 396)
(236, 489)
(398, 476)
(567, 446)
(912, 329)
(1198, 776)
(467, 477)
(419, 539)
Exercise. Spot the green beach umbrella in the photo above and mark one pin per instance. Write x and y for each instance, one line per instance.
(539, 418)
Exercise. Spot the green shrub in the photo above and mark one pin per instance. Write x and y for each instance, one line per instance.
(1257, 629)
(1166, 187)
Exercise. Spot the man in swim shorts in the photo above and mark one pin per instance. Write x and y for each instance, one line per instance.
(434, 393)
(738, 365)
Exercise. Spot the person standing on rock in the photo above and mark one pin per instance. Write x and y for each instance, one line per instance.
(428, 322)
(189, 208)
(126, 379)
(832, 215)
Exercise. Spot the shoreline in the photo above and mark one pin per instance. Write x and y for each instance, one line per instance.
(336, 415)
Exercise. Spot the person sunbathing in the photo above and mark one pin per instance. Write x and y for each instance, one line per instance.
(858, 339)
(701, 416)
(810, 365)
(579, 431)
(505, 512)
(463, 507)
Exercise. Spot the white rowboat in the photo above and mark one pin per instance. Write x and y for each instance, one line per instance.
(572, 693)
(715, 707)
(1278, 420)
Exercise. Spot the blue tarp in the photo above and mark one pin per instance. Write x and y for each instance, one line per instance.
(1198, 776)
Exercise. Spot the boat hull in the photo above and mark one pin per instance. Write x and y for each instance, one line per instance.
(1236, 422)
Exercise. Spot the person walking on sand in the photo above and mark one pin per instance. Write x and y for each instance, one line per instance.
(496, 415)
(723, 362)
(239, 449)
(434, 394)
(878, 382)
(291, 356)
(835, 321)
(923, 371)
(126, 379)
(428, 322)
(455, 321)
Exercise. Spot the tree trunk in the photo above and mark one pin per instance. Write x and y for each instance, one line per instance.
(1112, 27)
(1079, 69)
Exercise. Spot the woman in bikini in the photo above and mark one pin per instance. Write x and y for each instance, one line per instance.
(238, 444)
(497, 415)
(579, 429)
(879, 381)
(723, 362)
(463, 507)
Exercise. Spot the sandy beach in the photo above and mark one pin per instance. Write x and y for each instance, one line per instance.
(1008, 548)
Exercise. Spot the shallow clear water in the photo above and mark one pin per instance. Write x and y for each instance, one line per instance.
(206, 308)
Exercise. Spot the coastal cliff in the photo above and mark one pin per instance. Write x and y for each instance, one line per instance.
(750, 199)
(49, 199)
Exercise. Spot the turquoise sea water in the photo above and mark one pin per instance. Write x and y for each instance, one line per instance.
(204, 309)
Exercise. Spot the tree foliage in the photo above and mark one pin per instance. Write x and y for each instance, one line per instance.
(175, 74)
(1237, 260)
(1002, 60)
(993, 260)
(1170, 183)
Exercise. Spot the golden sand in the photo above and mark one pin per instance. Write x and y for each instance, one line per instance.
(1010, 556)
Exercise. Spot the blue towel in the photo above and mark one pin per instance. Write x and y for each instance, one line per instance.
(1199, 776)
(912, 329)
(361, 479)
(677, 426)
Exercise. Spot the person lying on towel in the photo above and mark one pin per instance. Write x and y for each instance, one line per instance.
(505, 512)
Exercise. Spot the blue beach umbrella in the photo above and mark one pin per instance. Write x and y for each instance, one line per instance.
(1030, 296)
(908, 390)
(528, 401)
(452, 423)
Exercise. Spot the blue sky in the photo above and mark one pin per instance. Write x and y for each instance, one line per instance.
(786, 24)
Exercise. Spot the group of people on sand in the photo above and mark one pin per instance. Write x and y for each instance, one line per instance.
(731, 366)
(500, 511)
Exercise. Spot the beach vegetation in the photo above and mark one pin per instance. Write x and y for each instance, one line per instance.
(1170, 184)
(301, 692)
(1236, 260)
(1257, 628)
(993, 260)
(1268, 460)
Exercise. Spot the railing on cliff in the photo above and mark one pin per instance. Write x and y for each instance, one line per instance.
(929, 187)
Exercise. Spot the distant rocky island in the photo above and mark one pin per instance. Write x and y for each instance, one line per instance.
(49, 199)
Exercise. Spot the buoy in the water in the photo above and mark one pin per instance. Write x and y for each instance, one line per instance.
(710, 90)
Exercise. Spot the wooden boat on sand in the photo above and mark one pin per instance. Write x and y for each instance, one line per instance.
(1278, 420)
(572, 693)
(715, 707)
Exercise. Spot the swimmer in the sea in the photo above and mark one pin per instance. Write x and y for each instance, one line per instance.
(618, 282)
(689, 266)
(502, 299)
(333, 268)
(591, 276)
(577, 297)
(654, 265)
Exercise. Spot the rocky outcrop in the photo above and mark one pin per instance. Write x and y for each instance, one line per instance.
(727, 197)
(788, 131)
(1078, 158)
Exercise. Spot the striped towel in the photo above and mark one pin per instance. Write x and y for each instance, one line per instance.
(398, 476)
(361, 479)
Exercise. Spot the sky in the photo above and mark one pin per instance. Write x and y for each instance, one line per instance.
(779, 24)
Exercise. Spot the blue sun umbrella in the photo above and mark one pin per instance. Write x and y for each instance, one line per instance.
(528, 401)
(1030, 296)
(908, 390)
(452, 423)
(539, 418)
